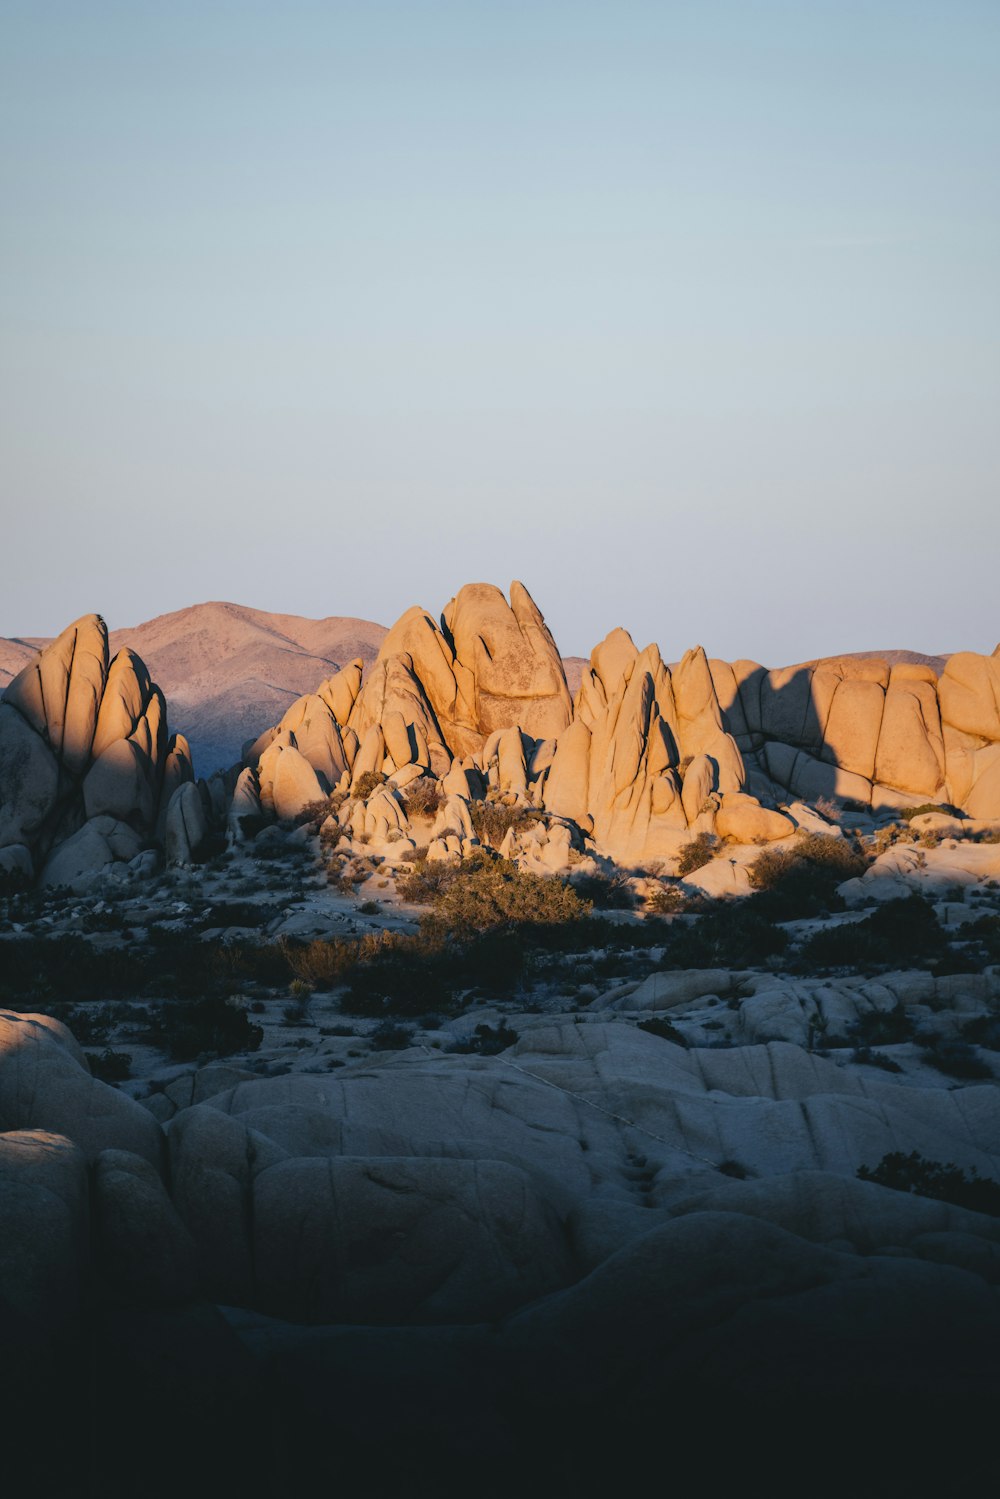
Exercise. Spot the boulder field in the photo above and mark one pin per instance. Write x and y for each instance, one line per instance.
(534, 1267)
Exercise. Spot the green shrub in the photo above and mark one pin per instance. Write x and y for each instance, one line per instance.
(665, 900)
(943, 1182)
(210, 1026)
(899, 934)
(869, 1058)
(608, 892)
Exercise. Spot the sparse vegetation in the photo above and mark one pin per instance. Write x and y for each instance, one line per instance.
(665, 1029)
(423, 797)
(491, 821)
(696, 854)
(943, 1182)
(366, 784)
(899, 934)
(802, 881)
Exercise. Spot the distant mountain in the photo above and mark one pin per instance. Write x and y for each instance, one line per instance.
(228, 671)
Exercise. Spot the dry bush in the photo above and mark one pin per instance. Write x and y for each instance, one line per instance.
(366, 784)
(696, 854)
(423, 797)
(491, 821)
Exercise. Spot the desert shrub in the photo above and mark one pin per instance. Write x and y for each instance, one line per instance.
(908, 813)
(828, 808)
(730, 934)
(802, 881)
(487, 892)
(491, 821)
(900, 933)
(882, 1027)
(423, 885)
(869, 1058)
(111, 1066)
(735, 1169)
(487, 1041)
(608, 892)
(423, 797)
(389, 1035)
(369, 908)
(314, 812)
(280, 851)
(984, 1030)
(366, 784)
(664, 1029)
(957, 1059)
(239, 913)
(211, 1026)
(699, 852)
(943, 1182)
(665, 900)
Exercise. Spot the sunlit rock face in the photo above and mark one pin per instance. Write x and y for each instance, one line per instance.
(489, 665)
(862, 730)
(85, 759)
(647, 757)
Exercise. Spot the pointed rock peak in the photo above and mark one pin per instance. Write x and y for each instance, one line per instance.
(612, 659)
(526, 611)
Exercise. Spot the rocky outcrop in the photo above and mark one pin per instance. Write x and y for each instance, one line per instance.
(489, 665)
(646, 756)
(84, 749)
(867, 732)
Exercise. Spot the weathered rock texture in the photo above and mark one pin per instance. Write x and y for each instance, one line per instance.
(86, 761)
(645, 758)
(879, 735)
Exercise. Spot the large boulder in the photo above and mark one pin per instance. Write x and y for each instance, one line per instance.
(29, 779)
(45, 1084)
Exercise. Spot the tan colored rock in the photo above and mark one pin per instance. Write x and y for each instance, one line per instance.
(370, 755)
(516, 669)
(44, 1246)
(969, 693)
(340, 691)
(60, 694)
(45, 1084)
(910, 753)
(850, 737)
(698, 785)
(567, 785)
(317, 738)
(117, 785)
(295, 785)
(186, 825)
(743, 819)
(79, 862)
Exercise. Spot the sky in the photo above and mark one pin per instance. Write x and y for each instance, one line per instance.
(685, 314)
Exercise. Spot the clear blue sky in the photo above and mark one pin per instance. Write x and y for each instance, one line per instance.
(687, 314)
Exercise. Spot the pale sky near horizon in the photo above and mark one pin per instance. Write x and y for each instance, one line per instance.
(685, 314)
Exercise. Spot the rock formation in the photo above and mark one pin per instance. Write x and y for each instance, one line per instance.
(86, 761)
